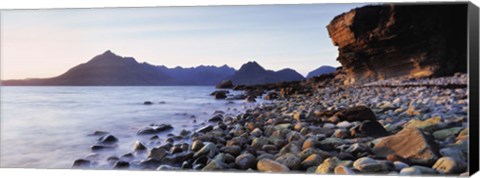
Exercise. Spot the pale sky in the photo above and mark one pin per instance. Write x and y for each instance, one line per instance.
(46, 43)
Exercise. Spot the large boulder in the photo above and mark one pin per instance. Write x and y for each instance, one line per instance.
(383, 41)
(411, 144)
(357, 113)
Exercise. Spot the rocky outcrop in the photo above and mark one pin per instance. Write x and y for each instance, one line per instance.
(385, 41)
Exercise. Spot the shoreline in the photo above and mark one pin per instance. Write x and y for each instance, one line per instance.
(331, 130)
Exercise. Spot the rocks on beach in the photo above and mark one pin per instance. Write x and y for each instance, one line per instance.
(341, 130)
(411, 144)
(155, 128)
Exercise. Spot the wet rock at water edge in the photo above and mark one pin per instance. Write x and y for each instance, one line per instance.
(154, 129)
(107, 139)
(81, 163)
(205, 129)
(100, 147)
(184, 133)
(177, 158)
(176, 149)
(127, 157)
(225, 84)
(121, 165)
(216, 118)
(149, 163)
(268, 165)
(138, 146)
(250, 99)
(209, 150)
(220, 94)
(197, 145)
(112, 160)
(157, 153)
(98, 133)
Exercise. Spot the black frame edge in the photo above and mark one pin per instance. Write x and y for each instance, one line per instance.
(473, 57)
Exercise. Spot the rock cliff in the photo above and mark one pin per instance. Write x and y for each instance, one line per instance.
(384, 41)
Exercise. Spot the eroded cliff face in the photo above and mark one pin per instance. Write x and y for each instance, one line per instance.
(384, 41)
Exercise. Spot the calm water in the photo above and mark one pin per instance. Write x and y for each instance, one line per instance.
(47, 127)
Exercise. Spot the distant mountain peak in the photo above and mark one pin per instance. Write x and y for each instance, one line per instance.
(252, 63)
(110, 58)
(109, 53)
(252, 66)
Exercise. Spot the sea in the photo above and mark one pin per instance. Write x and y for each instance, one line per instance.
(49, 127)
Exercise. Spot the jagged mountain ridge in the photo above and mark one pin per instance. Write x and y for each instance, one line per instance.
(109, 69)
(201, 75)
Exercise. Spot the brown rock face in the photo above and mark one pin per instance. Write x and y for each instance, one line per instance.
(411, 144)
(385, 41)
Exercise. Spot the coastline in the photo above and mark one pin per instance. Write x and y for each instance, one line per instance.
(330, 129)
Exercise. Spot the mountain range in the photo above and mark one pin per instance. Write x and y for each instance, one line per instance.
(109, 69)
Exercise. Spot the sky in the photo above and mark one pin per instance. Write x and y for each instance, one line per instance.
(46, 43)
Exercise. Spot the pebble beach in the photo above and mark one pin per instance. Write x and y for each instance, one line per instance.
(396, 127)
